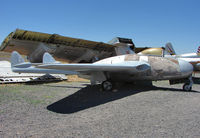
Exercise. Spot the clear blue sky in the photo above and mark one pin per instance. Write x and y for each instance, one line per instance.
(147, 22)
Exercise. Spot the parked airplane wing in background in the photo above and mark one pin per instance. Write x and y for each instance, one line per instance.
(67, 49)
(35, 44)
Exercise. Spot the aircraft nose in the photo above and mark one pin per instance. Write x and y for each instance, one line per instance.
(185, 67)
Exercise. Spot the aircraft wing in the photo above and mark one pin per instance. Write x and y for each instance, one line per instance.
(51, 66)
(132, 68)
(66, 49)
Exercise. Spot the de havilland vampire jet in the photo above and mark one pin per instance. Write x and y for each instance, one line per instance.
(123, 68)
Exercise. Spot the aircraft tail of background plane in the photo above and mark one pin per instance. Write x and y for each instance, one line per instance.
(198, 51)
(169, 49)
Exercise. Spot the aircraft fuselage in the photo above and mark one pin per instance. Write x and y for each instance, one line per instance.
(160, 68)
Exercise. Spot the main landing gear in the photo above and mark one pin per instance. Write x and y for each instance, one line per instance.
(107, 85)
(188, 86)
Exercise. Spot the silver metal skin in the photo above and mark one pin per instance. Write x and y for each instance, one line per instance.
(185, 67)
(124, 68)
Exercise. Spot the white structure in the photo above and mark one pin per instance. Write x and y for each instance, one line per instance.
(7, 76)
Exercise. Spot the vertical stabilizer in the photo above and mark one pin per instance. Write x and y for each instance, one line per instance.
(16, 58)
(169, 50)
(48, 59)
(198, 51)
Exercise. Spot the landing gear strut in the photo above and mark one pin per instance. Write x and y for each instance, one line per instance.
(107, 85)
(188, 86)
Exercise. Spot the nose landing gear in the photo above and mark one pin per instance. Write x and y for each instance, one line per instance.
(188, 86)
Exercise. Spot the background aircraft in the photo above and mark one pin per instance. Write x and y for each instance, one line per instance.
(193, 58)
(168, 51)
(66, 49)
(124, 68)
(190, 55)
(160, 51)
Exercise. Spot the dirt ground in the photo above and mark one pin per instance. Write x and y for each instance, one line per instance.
(75, 109)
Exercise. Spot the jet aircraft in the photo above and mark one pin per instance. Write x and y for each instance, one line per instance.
(189, 55)
(193, 58)
(159, 51)
(123, 68)
(168, 51)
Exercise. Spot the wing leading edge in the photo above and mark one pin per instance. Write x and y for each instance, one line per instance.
(97, 67)
(58, 68)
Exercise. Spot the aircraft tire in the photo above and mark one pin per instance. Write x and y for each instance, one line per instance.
(107, 86)
(187, 87)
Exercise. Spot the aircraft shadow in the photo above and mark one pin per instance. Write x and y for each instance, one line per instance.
(175, 90)
(63, 86)
(196, 80)
(92, 96)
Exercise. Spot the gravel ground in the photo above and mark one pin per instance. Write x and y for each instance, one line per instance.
(73, 109)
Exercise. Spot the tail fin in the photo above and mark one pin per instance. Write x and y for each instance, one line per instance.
(48, 59)
(169, 49)
(198, 50)
(16, 58)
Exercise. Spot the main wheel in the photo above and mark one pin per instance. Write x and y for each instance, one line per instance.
(107, 85)
(187, 87)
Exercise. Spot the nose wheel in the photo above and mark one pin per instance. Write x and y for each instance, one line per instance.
(107, 85)
(188, 86)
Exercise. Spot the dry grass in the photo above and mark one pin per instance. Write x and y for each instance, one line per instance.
(75, 78)
(5, 56)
